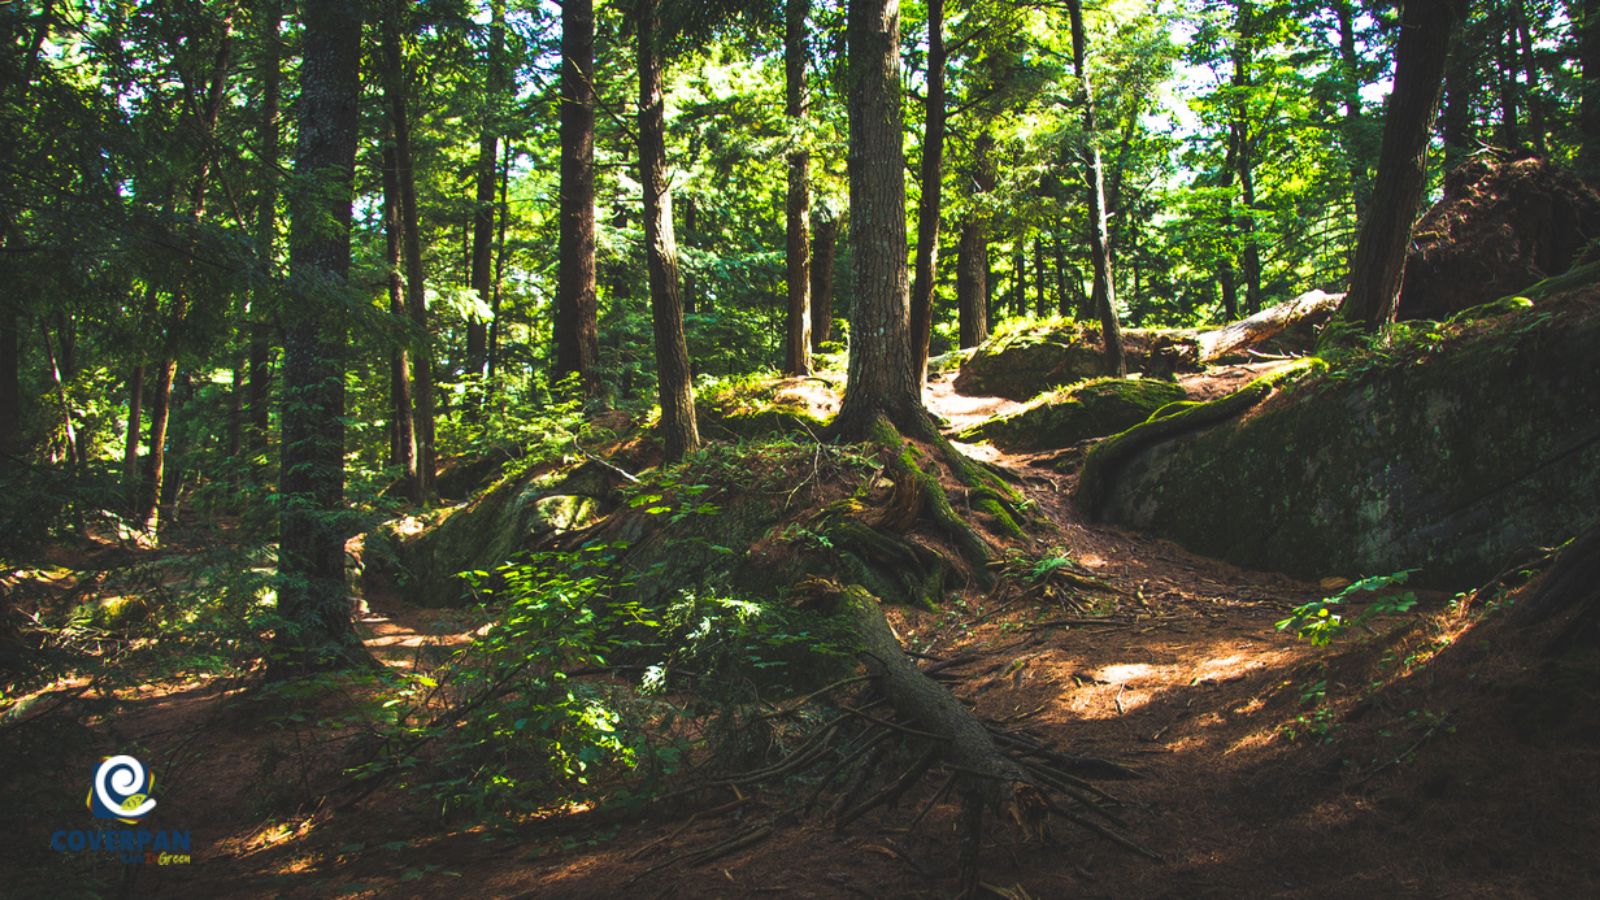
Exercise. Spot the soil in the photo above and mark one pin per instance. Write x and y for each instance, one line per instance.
(1437, 755)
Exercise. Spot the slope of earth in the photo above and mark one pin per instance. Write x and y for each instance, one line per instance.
(1438, 755)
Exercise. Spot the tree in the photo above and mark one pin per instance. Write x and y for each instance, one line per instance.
(1380, 257)
(674, 385)
(269, 71)
(882, 378)
(929, 206)
(395, 94)
(576, 327)
(313, 600)
(404, 452)
(1100, 245)
(797, 341)
(824, 235)
(483, 209)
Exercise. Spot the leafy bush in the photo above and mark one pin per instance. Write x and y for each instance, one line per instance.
(1319, 622)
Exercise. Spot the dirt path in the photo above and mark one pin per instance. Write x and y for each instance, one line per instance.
(1173, 666)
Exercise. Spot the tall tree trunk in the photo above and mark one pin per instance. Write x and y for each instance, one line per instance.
(1099, 243)
(148, 505)
(149, 510)
(1510, 132)
(882, 377)
(577, 332)
(1019, 277)
(1530, 69)
(312, 595)
(481, 262)
(1041, 300)
(404, 450)
(1460, 87)
(824, 236)
(972, 284)
(1063, 296)
(499, 265)
(396, 100)
(972, 253)
(797, 333)
(1244, 158)
(674, 380)
(130, 449)
(1350, 97)
(930, 205)
(1380, 256)
(52, 359)
(10, 390)
(261, 304)
(1589, 97)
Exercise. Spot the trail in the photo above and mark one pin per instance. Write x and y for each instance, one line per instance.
(1164, 660)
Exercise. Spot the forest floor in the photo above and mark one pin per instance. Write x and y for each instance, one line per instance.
(1429, 757)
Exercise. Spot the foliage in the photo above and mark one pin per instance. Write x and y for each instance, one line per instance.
(1320, 622)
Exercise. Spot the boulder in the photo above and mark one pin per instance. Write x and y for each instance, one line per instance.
(1070, 415)
(1456, 458)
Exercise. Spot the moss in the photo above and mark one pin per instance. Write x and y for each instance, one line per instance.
(1456, 462)
(1106, 457)
(1501, 307)
(1070, 415)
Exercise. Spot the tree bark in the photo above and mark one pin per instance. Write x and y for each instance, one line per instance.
(10, 390)
(972, 253)
(577, 332)
(1459, 89)
(1402, 163)
(929, 206)
(312, 596)
(882, 376)
(674, 380)
(403, 452)
(130, 451)
(824, 236)
(1350, 91)
(972, 284)
(1589, 98)
(148, 511)
(261, 312)
(396, 100)
(1530, 69)
(1510, 132)
(1100, 246)
(797, 253)
(1244, 158)
(482, 271)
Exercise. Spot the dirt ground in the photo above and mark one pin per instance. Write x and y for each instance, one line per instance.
(1438, 754)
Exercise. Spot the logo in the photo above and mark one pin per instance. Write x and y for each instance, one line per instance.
(121, 790)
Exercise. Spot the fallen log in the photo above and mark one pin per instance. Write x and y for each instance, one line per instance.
(1188, 350)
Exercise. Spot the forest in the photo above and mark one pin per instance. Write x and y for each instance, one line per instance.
(799, 448)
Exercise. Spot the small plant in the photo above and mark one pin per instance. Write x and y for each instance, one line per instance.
(1320, 621)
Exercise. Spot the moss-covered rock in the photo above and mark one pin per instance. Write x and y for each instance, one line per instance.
(1086, 410)
(423, 563)
(1455, 462)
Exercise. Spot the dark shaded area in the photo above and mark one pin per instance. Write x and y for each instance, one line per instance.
(1502, 225)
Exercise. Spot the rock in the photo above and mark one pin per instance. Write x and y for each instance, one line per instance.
(1502, 225)
(1454, 465)
(1070, 415)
